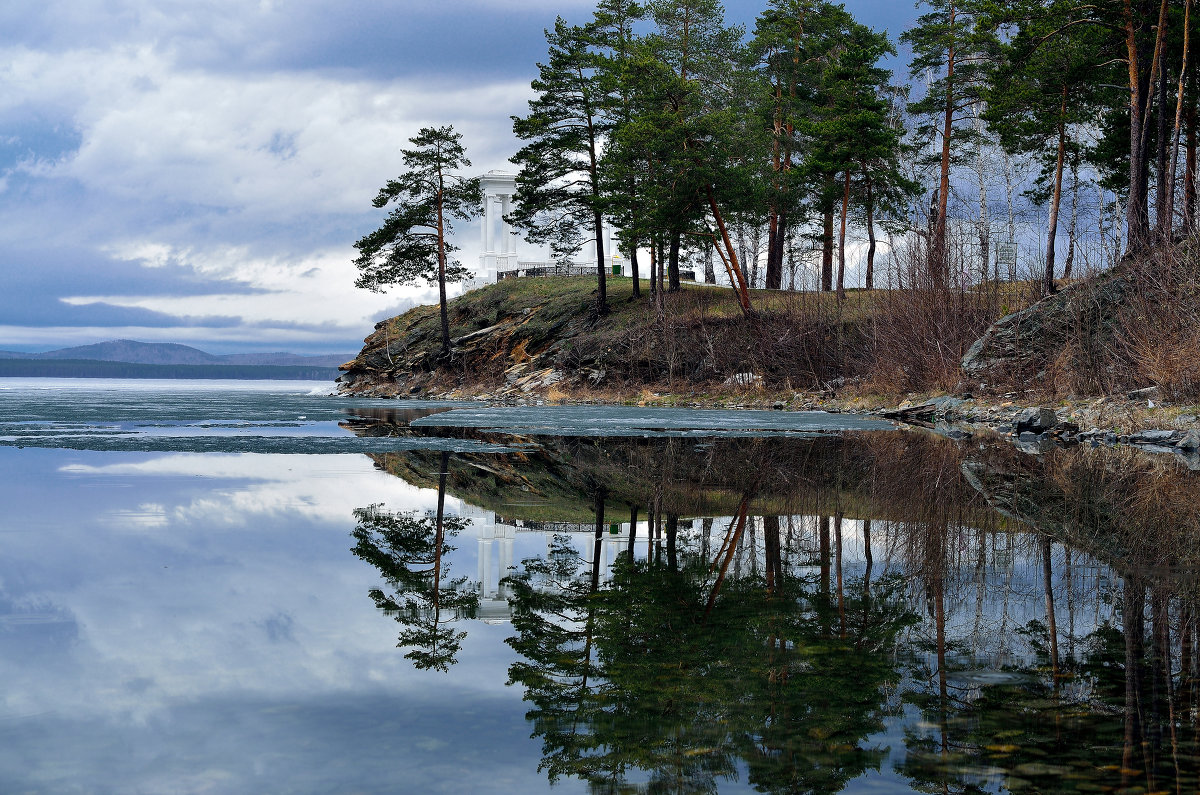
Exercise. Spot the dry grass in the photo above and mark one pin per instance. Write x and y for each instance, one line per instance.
(1158, 332)
(918, 337)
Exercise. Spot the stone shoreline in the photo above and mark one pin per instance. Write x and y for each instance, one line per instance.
(1137, 419)
(1036, 429)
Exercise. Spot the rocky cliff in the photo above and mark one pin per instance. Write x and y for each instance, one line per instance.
(1136, 325)
(526, 336)
(1075, 321)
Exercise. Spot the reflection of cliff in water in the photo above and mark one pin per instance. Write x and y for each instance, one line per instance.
(767, 607)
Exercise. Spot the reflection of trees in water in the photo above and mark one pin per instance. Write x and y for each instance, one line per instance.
(1057, 645)
(675, 673)
(1105, 708)
(410, 552)
(1056, 596)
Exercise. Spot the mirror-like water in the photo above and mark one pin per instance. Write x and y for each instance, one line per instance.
(465, 598)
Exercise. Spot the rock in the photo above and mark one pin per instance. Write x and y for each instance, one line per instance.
(1186, 419)
(1034, 419)
(1155, 437)
(1190, 459)
(1190, 441)
(1066, 428)
(906, 412)
(1034, 444)
(945, 403)
(779, 405)
(1022, 343)
(514, 373)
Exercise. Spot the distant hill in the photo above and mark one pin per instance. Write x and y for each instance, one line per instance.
(134, 352)
(170, 353)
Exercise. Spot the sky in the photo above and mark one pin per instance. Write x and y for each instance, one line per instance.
(197, 171)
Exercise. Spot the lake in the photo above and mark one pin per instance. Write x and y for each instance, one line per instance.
(255, 587)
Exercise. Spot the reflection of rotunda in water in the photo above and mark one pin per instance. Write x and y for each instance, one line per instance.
(497, 537)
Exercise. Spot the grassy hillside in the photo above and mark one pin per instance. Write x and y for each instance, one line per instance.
(525, 336)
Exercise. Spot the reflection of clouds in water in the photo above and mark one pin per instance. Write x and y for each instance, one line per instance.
(311, 486)
(147, 516)
(163, 611)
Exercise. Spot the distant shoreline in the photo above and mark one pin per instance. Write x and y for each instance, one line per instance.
(94, 368)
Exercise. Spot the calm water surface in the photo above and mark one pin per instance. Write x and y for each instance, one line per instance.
(232, 587)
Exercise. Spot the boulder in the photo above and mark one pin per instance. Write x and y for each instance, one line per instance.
(1155, 437)
(1023, 343)
(1190, 441)
(1035, 420)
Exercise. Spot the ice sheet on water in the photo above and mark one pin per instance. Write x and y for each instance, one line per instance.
(288, 417)
(637, 421)
(182, 416)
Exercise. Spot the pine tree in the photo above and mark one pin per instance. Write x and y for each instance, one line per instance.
(949, 45)
(614, 40)
(793, 40)
(696, 53)
(558, 186)
(413, 243)
(855, 129)
(1039, 92)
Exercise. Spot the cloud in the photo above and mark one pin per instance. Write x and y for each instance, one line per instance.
(256, 149)
(247, 189)
(315, 294)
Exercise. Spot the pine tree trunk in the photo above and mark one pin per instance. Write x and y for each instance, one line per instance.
(1051, 623)
(633, 269)
(941, 264)
(601, 275)
(439, 541)
(1074, 224)
(870, 277)
(775, 235)
(775, 230)
(660, 276)
(841, 277)
(654, 273)
(441, 242)
(755, 244)
(1137, 210)
(827, 248)
(673, 262)
(1162, 204)
(739, 280)
(1056, 197)
(1169, 203)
